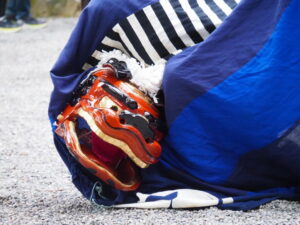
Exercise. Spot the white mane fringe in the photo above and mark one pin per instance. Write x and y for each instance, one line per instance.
(147, 78)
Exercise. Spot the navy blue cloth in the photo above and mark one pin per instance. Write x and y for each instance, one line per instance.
(232, 106)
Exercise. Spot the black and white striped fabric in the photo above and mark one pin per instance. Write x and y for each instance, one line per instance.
(163, 29)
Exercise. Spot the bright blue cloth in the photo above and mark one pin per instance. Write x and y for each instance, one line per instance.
(234, 128)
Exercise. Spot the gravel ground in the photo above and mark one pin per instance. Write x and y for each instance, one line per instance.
(35, 186)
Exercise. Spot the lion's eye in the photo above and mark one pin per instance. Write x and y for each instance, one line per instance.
(114, 108)
(107, 103)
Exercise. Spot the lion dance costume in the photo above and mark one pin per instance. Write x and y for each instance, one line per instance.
(228, 74)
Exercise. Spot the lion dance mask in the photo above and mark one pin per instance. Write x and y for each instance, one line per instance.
(111, 127)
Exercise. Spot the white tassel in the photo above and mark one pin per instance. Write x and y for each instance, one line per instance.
(147, 78)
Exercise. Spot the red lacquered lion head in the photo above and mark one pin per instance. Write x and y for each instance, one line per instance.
(111, 127)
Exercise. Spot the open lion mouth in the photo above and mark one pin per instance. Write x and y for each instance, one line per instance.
(107, 157)
(112, 149)
(112, 153)
(108, 143)
(107, 153)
